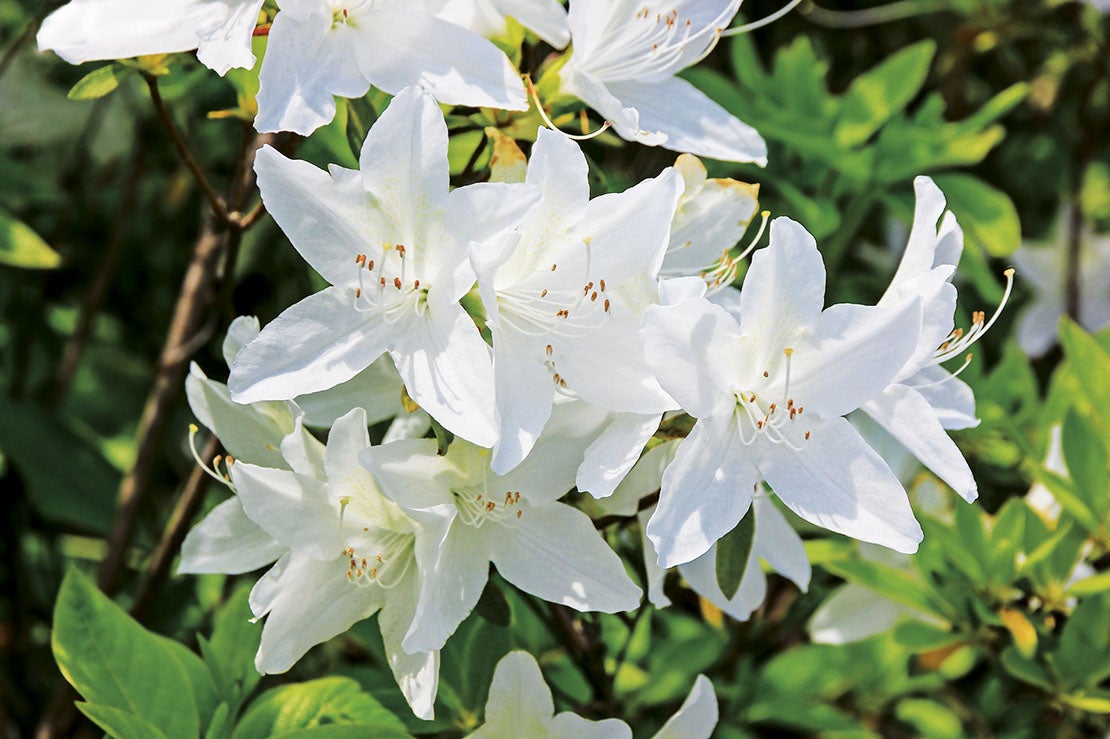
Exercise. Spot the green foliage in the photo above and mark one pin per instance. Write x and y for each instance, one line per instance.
(733, 552)
(100, 82)
(319, 705)
(21, 247)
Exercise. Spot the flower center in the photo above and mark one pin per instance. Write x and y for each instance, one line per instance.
(757, 416)
(382, 557)
(476, 507)
(384, 285)
(724, 272)
(658, 43)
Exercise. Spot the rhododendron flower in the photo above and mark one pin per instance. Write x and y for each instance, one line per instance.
(623, 64)
(473, 517)
(564, 296)
(770, 393)
(924, 399)
(520, 705)
(392, 241)
(88, 30)
(322, 48)
(349, 554)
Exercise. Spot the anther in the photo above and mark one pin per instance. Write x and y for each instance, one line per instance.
(549, 349)
(543, 293)
(594, 296)
(397, 282)
(606, 305)
(602, 285)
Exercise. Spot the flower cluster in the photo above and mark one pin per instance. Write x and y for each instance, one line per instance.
(550, 333)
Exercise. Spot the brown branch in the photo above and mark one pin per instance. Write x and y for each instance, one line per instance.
(214, 200)
(581, 639)
(188, 317)
(1072, 285)
(188, 503)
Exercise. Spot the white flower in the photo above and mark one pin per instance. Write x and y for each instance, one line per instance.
(88, 30)
(770, 393)
(924, 399)
(625, 57)
(350, 552)
(318, 49)
(475, 517)
(392, 242)
(564, 296)
(489, 18)
(1045, 268)
(774, 541)
(520, 705)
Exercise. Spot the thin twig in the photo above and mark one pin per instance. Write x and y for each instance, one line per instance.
(214, 200)
(188, 503)
(577, 636)
(27, 34)
(895, 11)
(1072, 286)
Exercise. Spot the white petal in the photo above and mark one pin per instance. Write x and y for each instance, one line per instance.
(839, 483)
(227, 541)
(307, 63)
(691, 346)
(519, 703)
(629, 231)
(450, 589)
(572, 725)
(403, 47)
(347, 438)
(228, 44)
(677, 289)
(594, 92)
(643, 480)
(783, 291)
(852, 613)
(548, 472)
(655, 574)
(777, 542)
(524, 393)
(413, 425)
(690, 119)
(709, 223)
(252, 433)
(555, 553)
(409, 472)
(706, 490)
(855, 351)
(610, 457)
(1037, 327)
(920, 255)
(404, 162)
(908, 417)
(303, 452)
(315, 603)
(558, 167)
(329, 219)
(697, 717)
(293, 509)
(448, 371)
(87, 30)
(314, 345)
(376, 389)
(417, 675)
(952, 399)
(239, 334)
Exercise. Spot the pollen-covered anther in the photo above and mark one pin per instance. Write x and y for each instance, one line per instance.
(549, 349)
(807, 436)
(601, 284)
(606, 305)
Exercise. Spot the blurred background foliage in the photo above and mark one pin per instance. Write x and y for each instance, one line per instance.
(1000, 626)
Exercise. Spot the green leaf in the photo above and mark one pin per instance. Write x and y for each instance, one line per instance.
(1091, 365)
(1025, 669)
(204, 688)
(493, 606)
(733, 551)
(1093, 585)
(877, 94)
(929, 718)
(99, 82)
(1087, 463)
(80, 493)
(231, 649)
(21, 247)
(113, 661)
(328, 700)
(1080, 657)
(985, 213)
(119, 724)
(899, 586)
(1099, 702)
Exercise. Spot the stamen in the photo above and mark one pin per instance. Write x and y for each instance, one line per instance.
(958, 341)
(224, 479)
(547, 121)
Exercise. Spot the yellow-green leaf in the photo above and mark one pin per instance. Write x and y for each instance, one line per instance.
(22, 247)
(99, 82)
